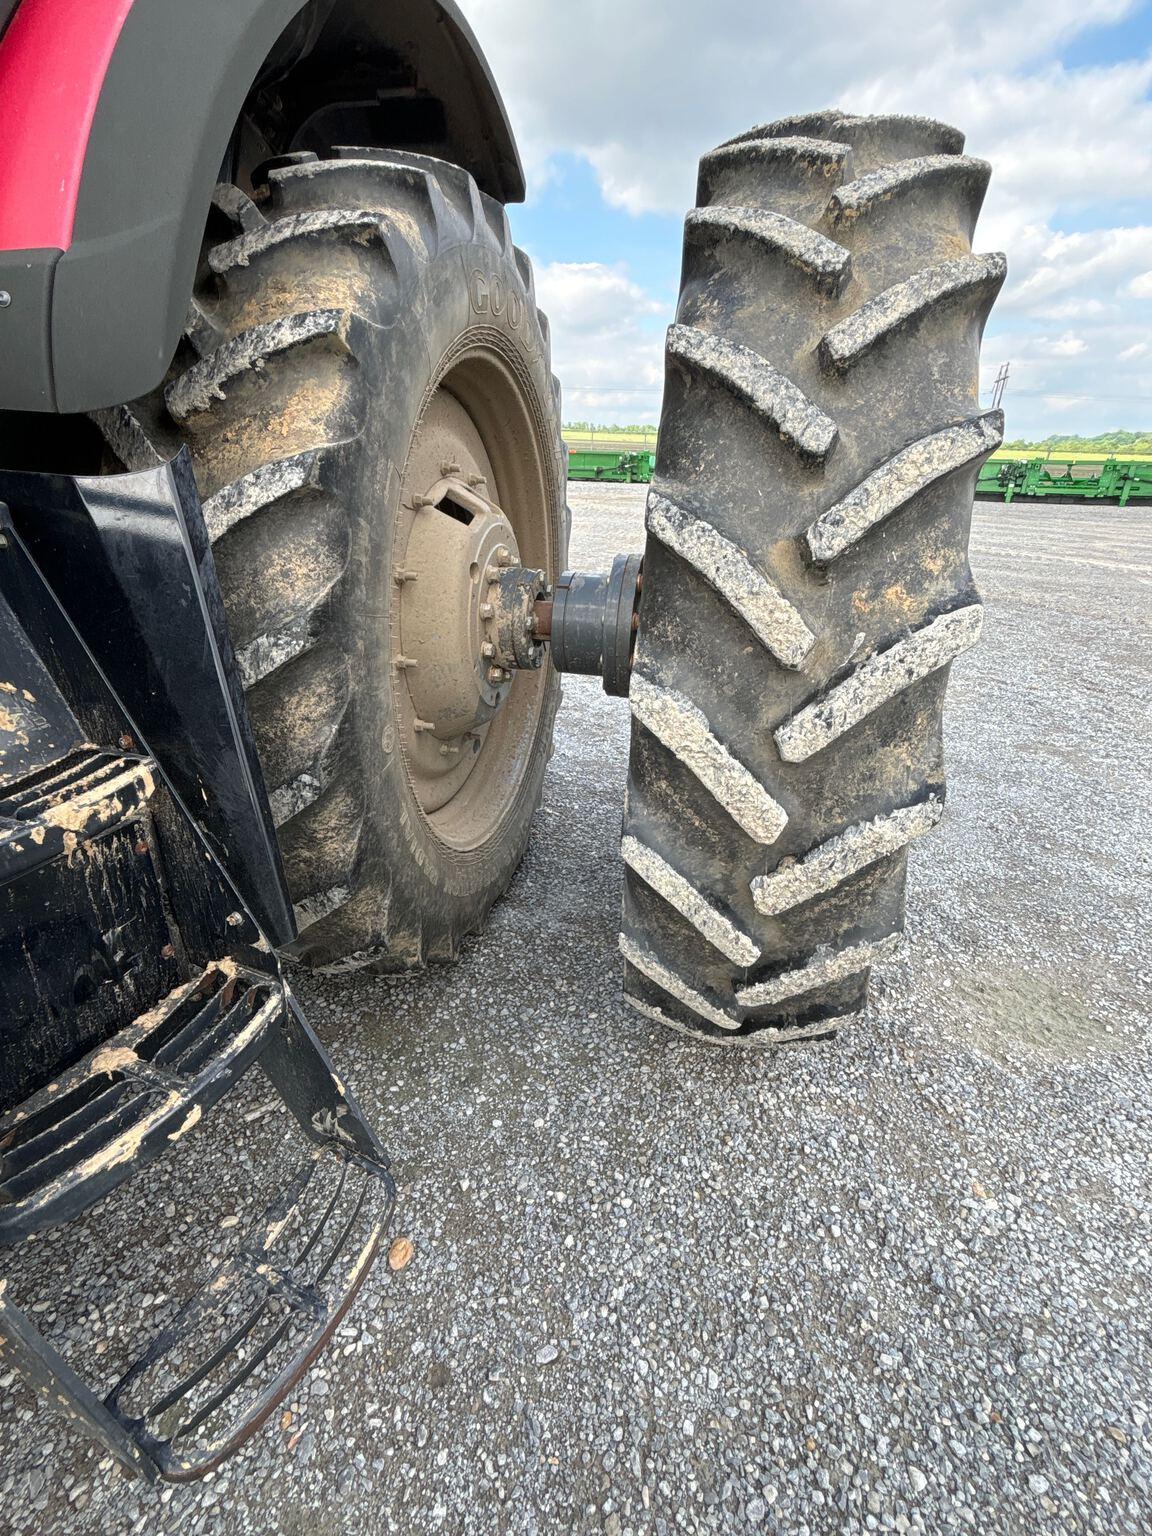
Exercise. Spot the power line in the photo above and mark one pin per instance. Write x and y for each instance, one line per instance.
(1055, 391)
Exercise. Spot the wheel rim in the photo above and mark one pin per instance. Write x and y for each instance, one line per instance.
(475, 493)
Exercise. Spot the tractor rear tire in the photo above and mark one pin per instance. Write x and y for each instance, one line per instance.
(343, 307)
(806, 579)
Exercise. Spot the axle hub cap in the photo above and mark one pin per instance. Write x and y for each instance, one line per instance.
(467, 623)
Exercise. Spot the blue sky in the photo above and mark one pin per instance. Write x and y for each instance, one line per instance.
(613, 103)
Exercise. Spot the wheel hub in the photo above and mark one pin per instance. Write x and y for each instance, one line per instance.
(470, 614)
(467, 620)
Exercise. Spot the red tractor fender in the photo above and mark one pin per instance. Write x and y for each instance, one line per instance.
(54, 56)
(121, 115)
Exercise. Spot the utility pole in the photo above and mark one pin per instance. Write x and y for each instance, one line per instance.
(999, 386)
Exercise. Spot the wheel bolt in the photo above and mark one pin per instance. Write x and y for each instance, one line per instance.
(492, 573)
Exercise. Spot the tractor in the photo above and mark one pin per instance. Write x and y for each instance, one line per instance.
(284, 605)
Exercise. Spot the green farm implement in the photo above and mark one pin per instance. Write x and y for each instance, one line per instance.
(1115, 480)
(632, 468)
(1001, 478)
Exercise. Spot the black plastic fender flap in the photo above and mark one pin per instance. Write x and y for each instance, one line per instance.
(129, 560)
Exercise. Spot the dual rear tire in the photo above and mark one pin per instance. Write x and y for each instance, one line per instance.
(806, 581)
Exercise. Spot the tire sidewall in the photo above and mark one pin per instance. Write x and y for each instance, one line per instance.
(468, 296)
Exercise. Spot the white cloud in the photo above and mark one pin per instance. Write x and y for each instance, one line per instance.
(591, 293)
(606, 351)
(1064, 404)
(1104, 261)
(641, 88)
(1080, 309)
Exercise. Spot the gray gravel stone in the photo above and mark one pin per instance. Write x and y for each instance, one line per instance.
(957, 1183)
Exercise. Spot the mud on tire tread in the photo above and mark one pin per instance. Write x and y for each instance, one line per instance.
(806, 578)
(320, 308)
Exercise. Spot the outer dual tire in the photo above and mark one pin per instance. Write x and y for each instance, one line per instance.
(806, 579)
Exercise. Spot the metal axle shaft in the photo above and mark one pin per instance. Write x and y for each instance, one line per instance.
(591, 622)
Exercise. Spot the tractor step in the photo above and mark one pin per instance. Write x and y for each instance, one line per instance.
(83, 795)
(218, 1369)
(231, 1353)
(228, 1357)
(128, 1100)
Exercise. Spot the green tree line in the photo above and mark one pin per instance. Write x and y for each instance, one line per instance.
(1118, 443)
(599, 426)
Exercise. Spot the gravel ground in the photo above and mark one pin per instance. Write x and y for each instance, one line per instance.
(898, 1281)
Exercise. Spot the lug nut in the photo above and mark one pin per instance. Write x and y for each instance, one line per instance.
(496, 675)
(423, 725)
(488, 649)
(502, 555)
(486, 610)
(448, 467)
(491, 573)
(476, 480)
